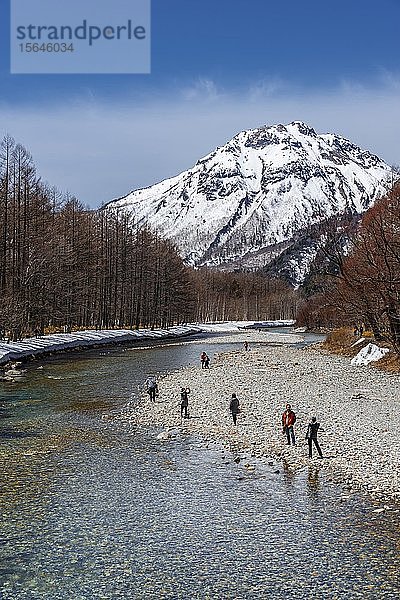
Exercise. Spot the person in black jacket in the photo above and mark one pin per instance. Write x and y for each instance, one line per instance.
(311, 436)
(185, 402)
(234, 408)
(151, 387)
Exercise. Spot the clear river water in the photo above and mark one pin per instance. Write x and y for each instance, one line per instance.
(92, 508)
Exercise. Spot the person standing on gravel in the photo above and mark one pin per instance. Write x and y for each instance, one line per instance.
(203, 357)
(234, 408)
(185, 402)
(151, 387)
(311, 436)
(288, 420)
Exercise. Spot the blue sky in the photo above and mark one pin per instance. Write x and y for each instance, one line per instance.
(217, 67)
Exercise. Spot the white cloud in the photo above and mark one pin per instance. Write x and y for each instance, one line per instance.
(99, 151)
(203, 89)
(267, 88)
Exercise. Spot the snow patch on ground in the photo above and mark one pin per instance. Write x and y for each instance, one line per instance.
(238, 325)
(89, 338)
(362, 339)
(370, 353)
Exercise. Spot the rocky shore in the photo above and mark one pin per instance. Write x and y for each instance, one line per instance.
(356, 406)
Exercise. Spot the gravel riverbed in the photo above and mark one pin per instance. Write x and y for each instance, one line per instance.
(356, 406)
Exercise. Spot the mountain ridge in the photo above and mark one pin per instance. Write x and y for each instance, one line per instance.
(256, 192)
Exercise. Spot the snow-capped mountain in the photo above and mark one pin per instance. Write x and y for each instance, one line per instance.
(243, 203)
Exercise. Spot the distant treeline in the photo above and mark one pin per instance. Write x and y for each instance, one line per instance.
(64, 266)
(244, 296)
(364, 285)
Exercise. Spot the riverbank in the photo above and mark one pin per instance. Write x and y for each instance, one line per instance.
(357, 407)
(45, 345)
(64, 342)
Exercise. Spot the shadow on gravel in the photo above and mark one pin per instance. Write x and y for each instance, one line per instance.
(5, 415)
(10, 434)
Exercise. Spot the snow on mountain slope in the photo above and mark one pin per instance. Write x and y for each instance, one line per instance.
(257, 191)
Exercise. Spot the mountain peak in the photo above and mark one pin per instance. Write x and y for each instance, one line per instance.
(302, 128)
(247, 199)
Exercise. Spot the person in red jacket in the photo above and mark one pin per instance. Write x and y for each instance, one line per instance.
(288, 420)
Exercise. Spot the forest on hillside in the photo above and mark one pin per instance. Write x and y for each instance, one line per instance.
(362, 284)
(63, 266)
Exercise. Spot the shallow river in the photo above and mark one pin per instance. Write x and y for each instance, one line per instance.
(92, 509)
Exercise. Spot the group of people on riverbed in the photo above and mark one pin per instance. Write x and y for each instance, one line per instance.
(288, 415)
(288, 421)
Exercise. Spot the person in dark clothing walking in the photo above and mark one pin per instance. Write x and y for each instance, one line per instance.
(185, 402)
(234, 408)
(203, 357)
(151, 388)
(311, 436)
(207, 362)
(288, 420)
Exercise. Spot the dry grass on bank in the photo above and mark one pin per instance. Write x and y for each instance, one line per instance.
(340, 341)
(390, 363)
